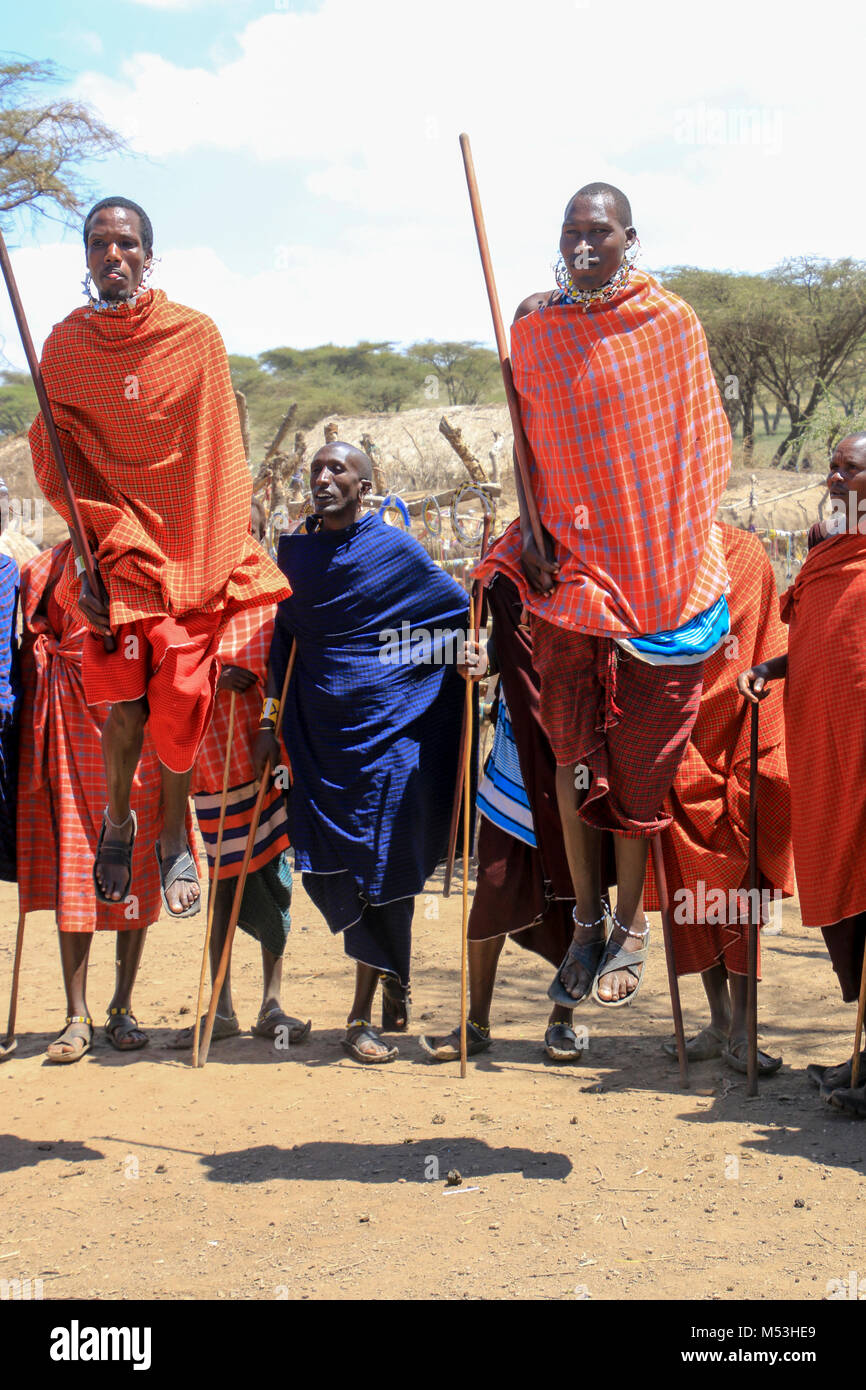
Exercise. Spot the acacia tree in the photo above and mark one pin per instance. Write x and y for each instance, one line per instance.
(43, 144)
(810, 334)
(469, 372)
(731, 308)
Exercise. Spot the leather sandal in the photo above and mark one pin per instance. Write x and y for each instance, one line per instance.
(587, 955)
(362, 1030)
(77, 1046)
(118, 854)
(616, 957)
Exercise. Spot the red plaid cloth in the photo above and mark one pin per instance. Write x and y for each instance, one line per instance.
(61, 792)
(707, 842)
(246, 642)
(170, 661)
(825, 728)
(632, 451)
(147, 419)
(625, 721)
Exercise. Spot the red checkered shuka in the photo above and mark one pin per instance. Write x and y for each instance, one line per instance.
(146, 415)
(631, 452)
(706, 846)
(246, 642)
(61, 789)
(825, 728)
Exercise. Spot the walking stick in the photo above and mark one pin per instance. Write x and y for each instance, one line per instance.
(670, 958)
(464, 935)
(76, 525)
(10, 1043)
(476, 604)
(861, 1008)
(241, 883)
(754, 915)
(212, 895)
(521, 448)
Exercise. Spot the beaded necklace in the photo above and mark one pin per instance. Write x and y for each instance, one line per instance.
(586, 299)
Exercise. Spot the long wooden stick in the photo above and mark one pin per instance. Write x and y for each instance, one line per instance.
(464, 935)
(214, 881)
(858, 1031)
(241, 883)
(754, 915)
(521, 447)
(476, 603)
(76, 524)
(9, 1045)
(670, 958)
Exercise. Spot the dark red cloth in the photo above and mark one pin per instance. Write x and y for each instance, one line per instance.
(628, 722)
(521, 891)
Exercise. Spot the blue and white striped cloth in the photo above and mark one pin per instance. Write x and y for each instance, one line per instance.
(501, 794)
(686, 645)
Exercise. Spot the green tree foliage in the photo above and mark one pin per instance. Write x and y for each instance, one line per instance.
(18, 403)
(365, 379)
(794, 333)
(43, 144)
(468, 371)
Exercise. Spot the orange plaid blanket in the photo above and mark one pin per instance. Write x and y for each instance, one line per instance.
(147, 420)
(631, 453)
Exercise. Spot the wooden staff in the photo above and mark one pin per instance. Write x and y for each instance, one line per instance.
(464, 935)
(754, 915)
(212, 894)
(10, 1043)
(670, 958)
(475, 604)
(521, 447)
(242, 878)
(76, 525)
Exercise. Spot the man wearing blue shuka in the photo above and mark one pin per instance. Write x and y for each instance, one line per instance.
(372, 726)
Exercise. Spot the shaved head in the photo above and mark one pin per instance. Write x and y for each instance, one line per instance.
(340, 477)
(615, 196)
(348, 454)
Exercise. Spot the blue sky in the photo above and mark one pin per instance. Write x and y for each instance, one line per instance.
(300, 160)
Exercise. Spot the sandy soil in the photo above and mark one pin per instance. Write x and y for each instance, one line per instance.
(275, 1174)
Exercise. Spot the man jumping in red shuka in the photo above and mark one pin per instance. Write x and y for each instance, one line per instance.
(144, 406)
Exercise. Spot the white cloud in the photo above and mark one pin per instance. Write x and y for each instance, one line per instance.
(365, 101)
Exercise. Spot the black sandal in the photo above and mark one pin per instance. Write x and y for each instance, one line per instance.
(119, 854)
(478, 1039)
(361, 1030)
(396, 999)
(120, 1023)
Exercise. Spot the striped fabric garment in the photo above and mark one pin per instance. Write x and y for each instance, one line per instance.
(271, 837)
(146, 415)
(501, 792)
(631, 451)
(245, 642)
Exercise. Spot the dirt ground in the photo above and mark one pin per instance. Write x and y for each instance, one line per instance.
(299, 1174)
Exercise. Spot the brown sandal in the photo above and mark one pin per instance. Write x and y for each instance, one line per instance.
(76, 1047)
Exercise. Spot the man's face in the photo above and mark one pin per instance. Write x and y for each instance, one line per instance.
(116, 257)
(337, 488)
(593, 242)
(848, 474)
